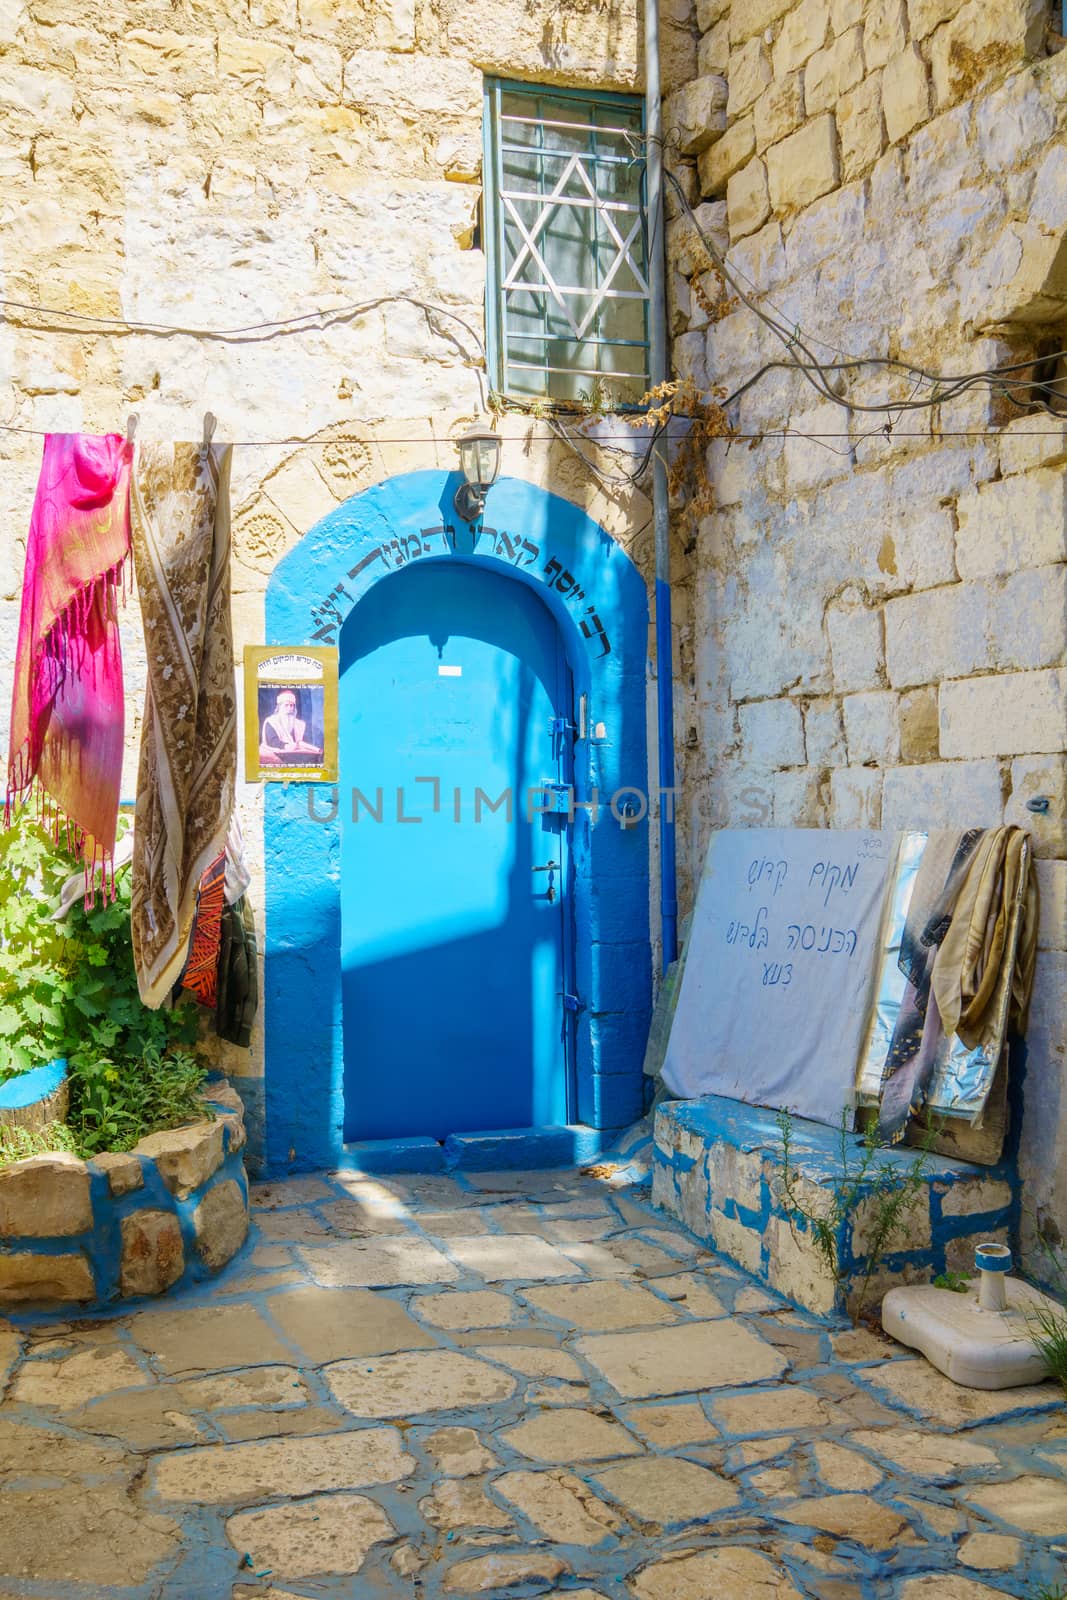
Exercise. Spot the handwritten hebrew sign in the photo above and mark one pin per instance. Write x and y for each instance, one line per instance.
(779, 976)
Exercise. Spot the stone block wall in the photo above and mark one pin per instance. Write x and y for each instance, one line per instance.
(876, 633)
(170, 1212)
(717, 1166)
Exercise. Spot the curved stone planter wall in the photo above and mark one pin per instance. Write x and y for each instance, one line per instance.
(34, 1099)
(171, 1211)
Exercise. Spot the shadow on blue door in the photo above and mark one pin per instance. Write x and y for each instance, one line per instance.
(455, 886)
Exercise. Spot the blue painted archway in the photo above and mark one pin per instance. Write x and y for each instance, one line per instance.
(599, 601)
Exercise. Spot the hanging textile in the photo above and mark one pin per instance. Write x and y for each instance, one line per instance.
(998, 888)
(67, 706)
(238, 984)
(188, 767)
(200, 977)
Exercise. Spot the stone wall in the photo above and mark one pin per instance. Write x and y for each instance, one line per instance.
(877, 626)
(169, 1212)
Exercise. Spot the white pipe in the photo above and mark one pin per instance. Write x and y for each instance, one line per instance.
(993, 1262)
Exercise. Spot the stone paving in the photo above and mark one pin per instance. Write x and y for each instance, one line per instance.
(513, 1385)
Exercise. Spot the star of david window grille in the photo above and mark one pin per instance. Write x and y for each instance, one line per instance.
(566, 244)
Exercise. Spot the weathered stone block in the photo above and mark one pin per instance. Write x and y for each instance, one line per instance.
(919, 739)
(981, 40)
(221, 1222)
(124, 1171)
(871, 728)
(1052, 900)
(26, 1278)
(713, 52)
(254, 61)
(857, 647)
(1012, 523)
(710, 12)
(926, 15)
(824, 741)
(943, 794)
(845, 14)
(779, 110)
(696, 114)
(748, 74)
(856, 797)
(1022, 448)
(44, 1197)
(722, 159)
(860, 127)
(754, 16)
(974, 627)
(804, 166)
(153, 1255)
(1011, 714)
(1036, 777)
(833, 71)
(413, 86)
(185, 1157)
(885, 32)
(905, 93)
(166, 53)
(975, 1195)
(391, 22)
(771, 733)
(803, 32)
(799, 798)
(685, 245)
(747, 203)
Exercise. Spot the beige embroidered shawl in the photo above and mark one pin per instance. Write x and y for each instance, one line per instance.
(188, 768)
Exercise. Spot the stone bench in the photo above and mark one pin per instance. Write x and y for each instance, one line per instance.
(171, 1211)
(717, 1167)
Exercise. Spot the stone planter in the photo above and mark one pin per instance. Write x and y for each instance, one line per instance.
(171, 1211)
(34, 1099)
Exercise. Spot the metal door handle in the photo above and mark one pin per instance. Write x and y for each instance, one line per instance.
(549, 866)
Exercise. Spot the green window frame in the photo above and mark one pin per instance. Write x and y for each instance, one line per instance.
(566, 244)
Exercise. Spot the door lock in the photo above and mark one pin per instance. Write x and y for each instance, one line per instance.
(551, 867)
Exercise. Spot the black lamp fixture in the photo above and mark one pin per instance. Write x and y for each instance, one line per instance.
(479, 458)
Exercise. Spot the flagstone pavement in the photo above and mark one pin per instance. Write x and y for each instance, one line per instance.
(506, 1385)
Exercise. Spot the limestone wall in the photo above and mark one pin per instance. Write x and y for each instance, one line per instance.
(878, 616)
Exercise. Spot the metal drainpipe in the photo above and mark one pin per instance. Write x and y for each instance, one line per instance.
(657, 312)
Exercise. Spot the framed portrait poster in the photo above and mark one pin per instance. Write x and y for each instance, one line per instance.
(290, 714)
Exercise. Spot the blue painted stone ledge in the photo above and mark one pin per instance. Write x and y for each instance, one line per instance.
(171, 1212)
(717, 1167)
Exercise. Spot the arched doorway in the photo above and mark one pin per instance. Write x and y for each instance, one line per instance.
(456, 717)
(574, 574)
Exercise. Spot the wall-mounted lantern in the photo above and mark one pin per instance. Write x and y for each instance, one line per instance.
(479, 458)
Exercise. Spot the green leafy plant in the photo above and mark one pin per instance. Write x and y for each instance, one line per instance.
(1048, 1327)
(866, 1179)
(958, 1282)
(69, 989)
(1049, 1592)
(17, 1143)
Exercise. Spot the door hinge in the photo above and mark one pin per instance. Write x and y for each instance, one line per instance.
(561, 797)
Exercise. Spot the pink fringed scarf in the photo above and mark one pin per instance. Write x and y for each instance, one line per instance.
(67, 708)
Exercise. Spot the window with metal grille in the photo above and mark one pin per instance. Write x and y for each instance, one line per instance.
(566, 246)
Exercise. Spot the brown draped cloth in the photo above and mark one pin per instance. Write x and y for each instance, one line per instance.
(188, 769)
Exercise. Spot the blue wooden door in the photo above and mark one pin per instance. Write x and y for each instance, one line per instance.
(454, 904)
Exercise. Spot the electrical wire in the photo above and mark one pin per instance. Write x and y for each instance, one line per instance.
(818, 373)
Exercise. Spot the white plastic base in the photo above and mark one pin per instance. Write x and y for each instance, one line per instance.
(976, 1348)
